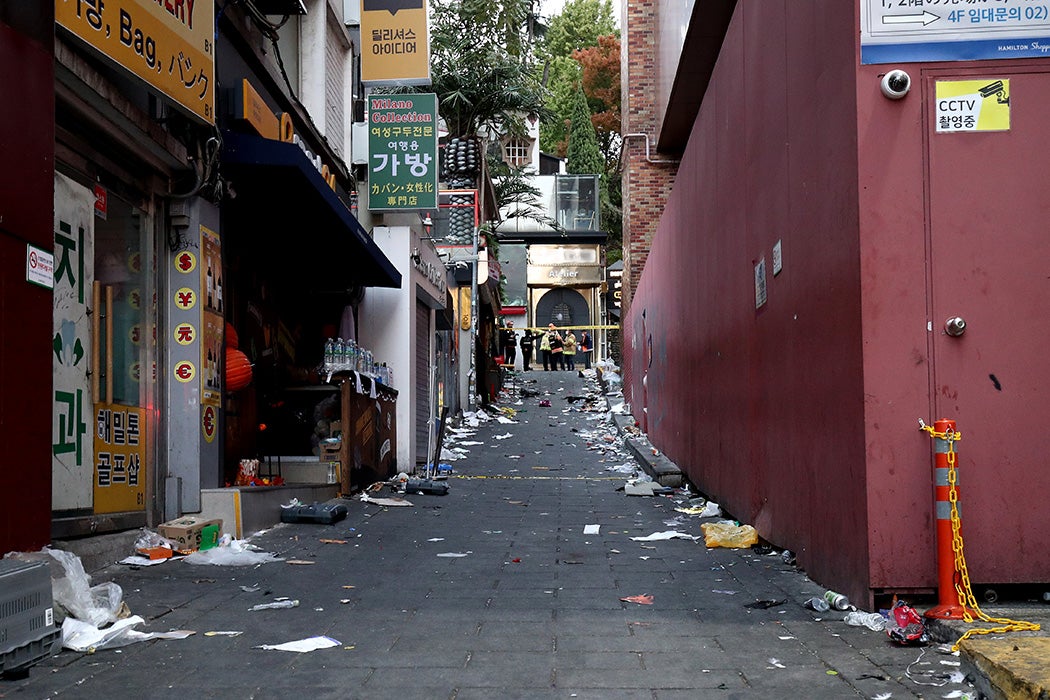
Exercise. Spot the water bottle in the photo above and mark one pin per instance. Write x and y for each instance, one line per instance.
(351, 354)
(837, 601)
(818, 604)
(873, 621)
(390, 383)
(340, 355)
(329, 355)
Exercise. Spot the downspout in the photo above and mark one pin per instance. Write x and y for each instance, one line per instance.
(647, 158)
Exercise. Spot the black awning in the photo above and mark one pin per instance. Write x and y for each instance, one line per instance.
(550, 237)
(279, 196)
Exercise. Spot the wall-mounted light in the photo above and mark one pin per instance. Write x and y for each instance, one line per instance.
(427, 222)
(415, 256)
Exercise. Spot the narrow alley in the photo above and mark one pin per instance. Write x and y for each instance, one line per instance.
(516, 584)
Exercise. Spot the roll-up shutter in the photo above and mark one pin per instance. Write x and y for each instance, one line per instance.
(422, 387)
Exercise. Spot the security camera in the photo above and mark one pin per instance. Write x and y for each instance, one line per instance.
(895, 84)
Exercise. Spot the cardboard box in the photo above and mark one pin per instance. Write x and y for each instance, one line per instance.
(186, 532)
(329, 452)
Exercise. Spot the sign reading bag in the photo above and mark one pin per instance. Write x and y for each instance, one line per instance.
(168, 45)
(402, 152)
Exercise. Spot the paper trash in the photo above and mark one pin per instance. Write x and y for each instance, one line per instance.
(303, 645)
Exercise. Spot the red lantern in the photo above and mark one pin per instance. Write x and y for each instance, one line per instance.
(238, 370)
(231, 336)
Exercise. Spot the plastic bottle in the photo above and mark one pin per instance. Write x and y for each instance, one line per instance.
(351, 355)
(818, 604)
(390, 381)
(873, 621)
(276, 605)
(837, 601)
(340, 355)
(329, 355)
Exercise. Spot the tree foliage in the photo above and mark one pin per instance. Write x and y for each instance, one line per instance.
(482, 66)
(600, 75)
(584, 157)
(577, 27)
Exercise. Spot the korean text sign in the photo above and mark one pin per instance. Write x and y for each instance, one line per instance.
(169, 44)
(402, 152)
(395, 44)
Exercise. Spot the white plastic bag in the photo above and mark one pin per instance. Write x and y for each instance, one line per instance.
(237, 553)
(96, 605)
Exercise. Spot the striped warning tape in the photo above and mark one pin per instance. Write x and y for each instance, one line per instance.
(534, 477)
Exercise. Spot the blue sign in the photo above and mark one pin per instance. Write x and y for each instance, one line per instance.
(910, 31)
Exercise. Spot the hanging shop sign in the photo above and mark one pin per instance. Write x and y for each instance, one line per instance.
(251, 109)
(395, 44)
(168, 44)
(402, 152)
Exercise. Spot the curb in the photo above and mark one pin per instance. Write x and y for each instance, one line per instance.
(653, 462)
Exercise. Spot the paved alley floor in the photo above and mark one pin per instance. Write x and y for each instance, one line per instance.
(500, 589)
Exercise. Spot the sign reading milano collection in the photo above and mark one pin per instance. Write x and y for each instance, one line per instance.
(402, 152)
(395, 45)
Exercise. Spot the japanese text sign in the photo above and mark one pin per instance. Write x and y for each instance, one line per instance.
(402, 152)
(169, 44)
(395, 45)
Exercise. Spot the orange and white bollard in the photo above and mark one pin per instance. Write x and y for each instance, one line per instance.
(948, 607)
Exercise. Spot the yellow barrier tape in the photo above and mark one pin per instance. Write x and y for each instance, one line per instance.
(535, 478)
(962, 583)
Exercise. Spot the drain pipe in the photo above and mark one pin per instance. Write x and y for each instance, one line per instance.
(647, 158)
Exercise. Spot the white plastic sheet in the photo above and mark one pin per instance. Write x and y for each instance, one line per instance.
(237, 553)
(82, 636)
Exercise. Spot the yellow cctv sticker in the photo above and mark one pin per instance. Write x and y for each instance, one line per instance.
(973, 105)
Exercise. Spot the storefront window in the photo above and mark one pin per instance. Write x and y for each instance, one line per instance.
(121, 276)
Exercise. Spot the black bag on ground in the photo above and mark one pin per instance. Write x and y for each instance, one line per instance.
(321, 513)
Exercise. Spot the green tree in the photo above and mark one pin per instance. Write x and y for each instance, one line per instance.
(482, 66)
(584, 156)
(578, 26)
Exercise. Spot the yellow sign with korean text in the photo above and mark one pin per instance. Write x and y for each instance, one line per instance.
(169, 44)
(395, 43)
(972, 105)
(120, 458)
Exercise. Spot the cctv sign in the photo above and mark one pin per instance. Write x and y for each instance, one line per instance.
(972, 105)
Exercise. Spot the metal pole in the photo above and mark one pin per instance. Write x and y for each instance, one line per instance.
(472, 381)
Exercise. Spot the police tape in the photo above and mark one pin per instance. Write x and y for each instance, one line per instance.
(533, 477)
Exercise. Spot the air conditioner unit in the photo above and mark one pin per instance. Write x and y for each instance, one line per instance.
(27, 618)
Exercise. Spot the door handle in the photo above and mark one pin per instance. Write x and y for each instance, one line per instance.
(955, 326)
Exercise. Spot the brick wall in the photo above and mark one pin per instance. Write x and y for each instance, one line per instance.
(645, 185)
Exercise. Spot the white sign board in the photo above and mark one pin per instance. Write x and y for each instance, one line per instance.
(40, 267)
(906, 31)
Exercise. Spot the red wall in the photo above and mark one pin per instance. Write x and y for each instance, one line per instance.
(801, 417)
(764, 409)
(26, 212)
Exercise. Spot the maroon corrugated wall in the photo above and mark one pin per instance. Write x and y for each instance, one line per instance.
(26, 212)
(764, 408)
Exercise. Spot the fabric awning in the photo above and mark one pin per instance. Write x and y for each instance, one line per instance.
(281, 198)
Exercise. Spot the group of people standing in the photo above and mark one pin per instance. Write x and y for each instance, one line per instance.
(557, 351)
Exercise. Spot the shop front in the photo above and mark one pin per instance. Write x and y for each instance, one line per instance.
(297, 265)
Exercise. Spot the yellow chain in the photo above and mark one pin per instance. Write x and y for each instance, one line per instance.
(962, 583)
